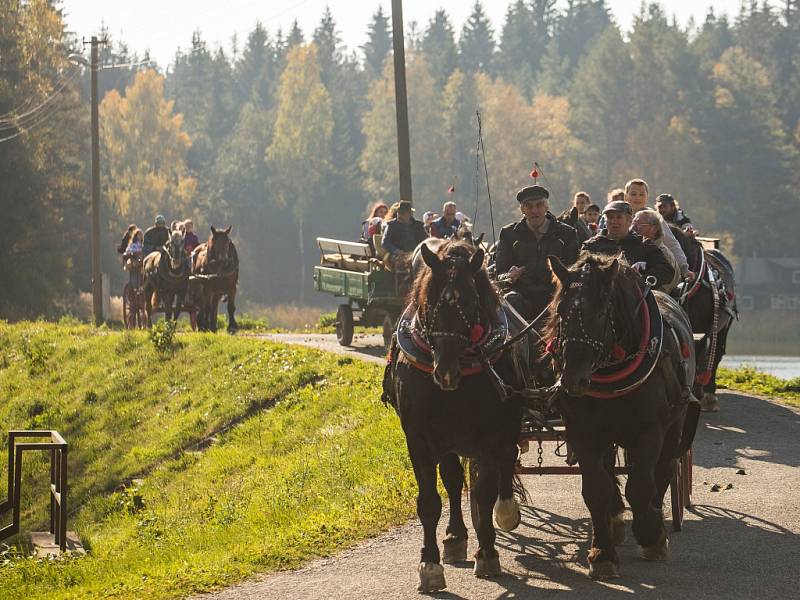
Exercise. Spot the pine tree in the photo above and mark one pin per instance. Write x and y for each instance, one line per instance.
(578, 27)
(439, 47)
(256, 71)
(299, 156)
(476, 44)
(378, 45)
(513, 59)
(328, 42)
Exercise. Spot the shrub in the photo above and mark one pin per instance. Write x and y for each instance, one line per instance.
(163, 336)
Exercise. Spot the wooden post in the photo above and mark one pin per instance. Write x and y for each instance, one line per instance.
(401, 101)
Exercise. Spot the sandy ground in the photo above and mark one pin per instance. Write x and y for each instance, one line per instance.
(740, 542)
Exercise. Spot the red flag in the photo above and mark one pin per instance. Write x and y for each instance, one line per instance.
(534, 173)
(451, 189)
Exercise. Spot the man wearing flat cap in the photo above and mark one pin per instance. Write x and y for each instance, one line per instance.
(523, 248)
(618, 240)
(403, 233)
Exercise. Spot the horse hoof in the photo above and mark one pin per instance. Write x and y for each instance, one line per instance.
(709, 402)
(454, 550)
(431, 577)
(618, 529)
(603, 569)
(657, 552)
(507, 515)
(487, 567)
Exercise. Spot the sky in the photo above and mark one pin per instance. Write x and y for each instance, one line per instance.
(162, 26)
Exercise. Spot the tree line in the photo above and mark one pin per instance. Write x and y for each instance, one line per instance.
(291, 135)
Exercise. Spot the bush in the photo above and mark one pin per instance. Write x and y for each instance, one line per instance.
(163, 336)
(326, 320)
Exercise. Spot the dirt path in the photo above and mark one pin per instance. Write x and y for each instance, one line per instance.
(736, 543)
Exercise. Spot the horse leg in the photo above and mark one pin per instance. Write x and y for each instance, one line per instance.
(179, 297)
(641, 492)
(507, 515)
(455, 541)
(429, 509)
(487, 560)
(598, 495)
(232, 326)
(148, 305)
(617, 513)
(666, 462)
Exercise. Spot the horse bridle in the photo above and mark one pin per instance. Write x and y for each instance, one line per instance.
(446, 296)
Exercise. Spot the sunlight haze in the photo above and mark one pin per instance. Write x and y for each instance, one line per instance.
(164, 26)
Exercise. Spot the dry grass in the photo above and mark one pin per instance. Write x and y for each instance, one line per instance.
(287, 316)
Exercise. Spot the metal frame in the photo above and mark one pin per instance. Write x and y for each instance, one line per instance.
(57, 448)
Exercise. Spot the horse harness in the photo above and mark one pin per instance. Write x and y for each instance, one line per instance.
(615, 373)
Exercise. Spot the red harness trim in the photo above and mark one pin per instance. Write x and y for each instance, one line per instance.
(420, 343)
(698, 280)
(634, 364)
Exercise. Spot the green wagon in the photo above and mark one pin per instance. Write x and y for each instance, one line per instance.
(349, 271)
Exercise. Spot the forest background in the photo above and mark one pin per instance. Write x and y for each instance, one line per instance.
(288, 135)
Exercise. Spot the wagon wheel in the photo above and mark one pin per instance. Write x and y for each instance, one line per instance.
(141, 313)
(473, 500)
(344, 325)
(126, 309)
(388, 330)
(686, 473)
(677, 494)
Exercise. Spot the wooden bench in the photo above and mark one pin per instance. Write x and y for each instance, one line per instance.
(350, 256)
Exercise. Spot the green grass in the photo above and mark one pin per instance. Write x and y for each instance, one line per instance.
(197, 465)
(755, 382)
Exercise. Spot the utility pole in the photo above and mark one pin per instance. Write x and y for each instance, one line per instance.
(401, 102)
(97, 282)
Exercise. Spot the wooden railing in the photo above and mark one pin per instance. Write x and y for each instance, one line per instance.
(57, 448)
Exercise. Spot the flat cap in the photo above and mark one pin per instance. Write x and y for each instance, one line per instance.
(532, 192)
(618, 206)
(404, 205)
(665, 199)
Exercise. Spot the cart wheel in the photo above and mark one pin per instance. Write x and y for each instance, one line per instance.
(473, 500)
(686, 473)
(126, 308)
(344, 325)
(388, 330)
(677, 494)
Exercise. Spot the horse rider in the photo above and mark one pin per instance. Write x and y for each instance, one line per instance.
(402, 234)
(579, 203)
(522, 251)
(672, 213)
(617, 239)
(156, 236)
(448, 224)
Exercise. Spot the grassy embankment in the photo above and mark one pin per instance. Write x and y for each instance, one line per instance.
(195, 466)
(754, 382)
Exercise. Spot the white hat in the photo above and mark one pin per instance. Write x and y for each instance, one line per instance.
(460, 216)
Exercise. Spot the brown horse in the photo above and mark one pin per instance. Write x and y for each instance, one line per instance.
(215, 265)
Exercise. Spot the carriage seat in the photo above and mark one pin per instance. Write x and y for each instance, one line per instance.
(350, 256)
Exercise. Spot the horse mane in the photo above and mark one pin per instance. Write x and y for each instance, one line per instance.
(623, 286)
(425, 285)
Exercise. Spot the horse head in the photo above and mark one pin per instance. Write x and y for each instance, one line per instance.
(174, 250)
(593, 321)
(455, 303)
(219, 243)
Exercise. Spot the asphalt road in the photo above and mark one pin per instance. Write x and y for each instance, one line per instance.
(737, 543)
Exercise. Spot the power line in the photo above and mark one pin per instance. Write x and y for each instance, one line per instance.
(34, 123)
(13, 120)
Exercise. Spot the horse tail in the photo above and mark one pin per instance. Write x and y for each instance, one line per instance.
(689, 428)
(520, 493)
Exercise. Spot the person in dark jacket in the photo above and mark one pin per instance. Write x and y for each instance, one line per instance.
(403, 233)
(447, 225)
(673, 213)
(617, 239)
(156, 236)
(523, 248)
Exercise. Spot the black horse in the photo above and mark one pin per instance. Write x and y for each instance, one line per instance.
(443, 385)
(620, 386)
(710, 302)
(166, 278)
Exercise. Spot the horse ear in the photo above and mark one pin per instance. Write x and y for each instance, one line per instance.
(429, 256)
(573, 214)
(228, 229)
(558, 268)
(614, 268)
(213, 229)
(476, 262)
(479, 241)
